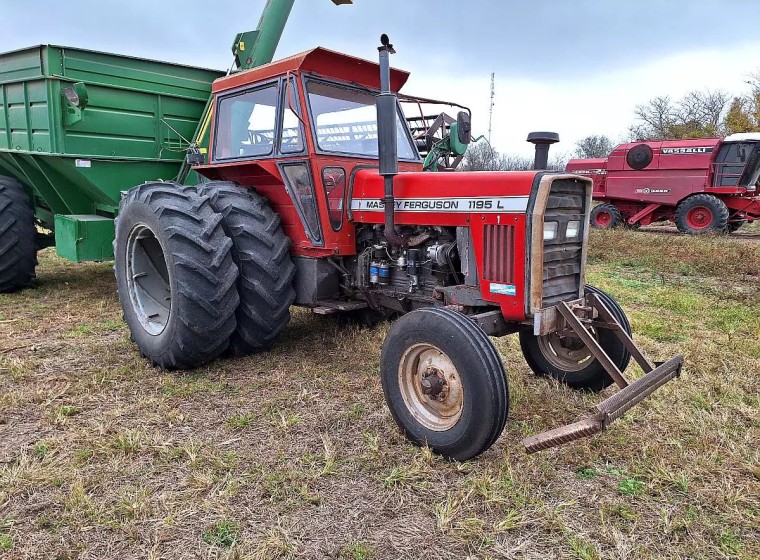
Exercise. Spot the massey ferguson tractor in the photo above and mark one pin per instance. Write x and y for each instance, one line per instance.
(315, 195)
(703, 185)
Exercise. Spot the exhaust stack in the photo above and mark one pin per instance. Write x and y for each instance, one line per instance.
(387, 146)
(542, 141)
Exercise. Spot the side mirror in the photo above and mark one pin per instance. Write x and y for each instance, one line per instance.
(464, 127)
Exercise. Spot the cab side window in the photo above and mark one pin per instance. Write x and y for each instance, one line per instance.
(246, 124)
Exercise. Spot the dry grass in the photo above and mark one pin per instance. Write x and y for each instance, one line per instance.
(294, 454)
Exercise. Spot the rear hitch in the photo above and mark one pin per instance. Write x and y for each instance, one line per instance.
(629, 395)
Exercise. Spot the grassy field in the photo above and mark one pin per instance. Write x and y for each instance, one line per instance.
(293, 453)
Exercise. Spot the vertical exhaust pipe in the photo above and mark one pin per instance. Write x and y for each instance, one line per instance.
(542, 141)
(387, 147)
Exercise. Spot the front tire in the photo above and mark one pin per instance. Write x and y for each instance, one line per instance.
(18, 237)
(175, 275)
(701, 213)
(261, 252)
(569, 361)
(605, 216)
(444, 383)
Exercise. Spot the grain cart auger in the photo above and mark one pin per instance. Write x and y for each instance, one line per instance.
(316, 197)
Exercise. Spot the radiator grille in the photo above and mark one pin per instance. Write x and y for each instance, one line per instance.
(563, 256)
(499, 254)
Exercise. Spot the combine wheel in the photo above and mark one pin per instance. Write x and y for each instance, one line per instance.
(569, 361)
(444, 382)
(605, 216)
(175, 275)
(18, 237)
(701, 213)
(261, 252)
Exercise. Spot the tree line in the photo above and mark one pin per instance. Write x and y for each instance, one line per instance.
(698, 114)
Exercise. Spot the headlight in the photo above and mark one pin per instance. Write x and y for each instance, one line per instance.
(550, 230)
(573, 229)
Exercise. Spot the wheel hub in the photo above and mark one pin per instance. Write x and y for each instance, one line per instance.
(699, 217)
(567, 353)
(431, 387)
(603, 218)
(148, 279)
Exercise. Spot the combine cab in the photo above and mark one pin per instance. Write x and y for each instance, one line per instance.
(703, 185)
(316, 196)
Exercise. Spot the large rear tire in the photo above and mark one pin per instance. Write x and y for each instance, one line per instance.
(261, 252)
(444, 383)
(569, 361)
(701, 213)
(175, 275)
(18, 237)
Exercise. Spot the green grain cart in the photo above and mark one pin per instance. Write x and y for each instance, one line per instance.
(77, 127)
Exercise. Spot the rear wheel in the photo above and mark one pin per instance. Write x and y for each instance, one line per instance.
(605, 216)
(18, 237)
(569, 361)
(444, 382)
(175, 275)
(701, 213)
(261, 252)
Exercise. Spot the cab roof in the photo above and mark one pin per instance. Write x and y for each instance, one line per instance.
(321, 61)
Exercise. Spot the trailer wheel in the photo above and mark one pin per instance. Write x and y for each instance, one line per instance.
(605, 216)
(18, 237)
(175, 275)
(701, 213)
(261, 252)
(444, 383)
(569, 361)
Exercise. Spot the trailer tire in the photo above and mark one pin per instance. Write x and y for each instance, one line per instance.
(261, 252)
(544, 356)
(605, 216)
(18, 237)
(473, 402)
(701, 213)
(170, 241)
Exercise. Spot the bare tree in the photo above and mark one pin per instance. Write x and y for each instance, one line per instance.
(594, 146)
(698, 114)
(484, 157)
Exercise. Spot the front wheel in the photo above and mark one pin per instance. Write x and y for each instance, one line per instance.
(701, 213)
(569, 361)
(444, 383)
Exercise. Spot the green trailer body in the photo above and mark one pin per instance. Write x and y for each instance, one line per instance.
(77, 127)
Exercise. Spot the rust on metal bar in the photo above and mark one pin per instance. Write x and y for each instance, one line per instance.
(607, 316)
(618, 404)
(564, 434)
(592, 344)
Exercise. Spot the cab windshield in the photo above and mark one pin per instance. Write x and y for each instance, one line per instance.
(345, 121)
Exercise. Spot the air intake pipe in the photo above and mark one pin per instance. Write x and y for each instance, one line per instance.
(542, 141)
(387, 147)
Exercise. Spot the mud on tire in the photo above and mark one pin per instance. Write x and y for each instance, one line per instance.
(175, 275)
(261, 252)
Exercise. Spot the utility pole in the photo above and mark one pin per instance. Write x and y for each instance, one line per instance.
(490, 109)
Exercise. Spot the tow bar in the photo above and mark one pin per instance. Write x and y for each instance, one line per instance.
(575, 317)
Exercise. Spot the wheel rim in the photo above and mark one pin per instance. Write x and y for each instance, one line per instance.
(148, 279)
(699, 217)
(566, 354)
(431, 387)
(603, 219)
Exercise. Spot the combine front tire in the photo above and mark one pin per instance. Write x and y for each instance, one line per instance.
(261, 252)
(569, 361)
(18, 237)
(444, 382)
(175, 275)
(701, 213)
(605, 216)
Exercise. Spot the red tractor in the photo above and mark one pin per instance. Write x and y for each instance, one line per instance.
(316, 196)
(703, 185)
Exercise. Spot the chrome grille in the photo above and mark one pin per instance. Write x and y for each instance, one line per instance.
(562, 256)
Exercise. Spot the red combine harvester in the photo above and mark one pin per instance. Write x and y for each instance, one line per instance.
(703, 185)
(315, 195)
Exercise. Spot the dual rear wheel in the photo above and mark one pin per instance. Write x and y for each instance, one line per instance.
(201, 270)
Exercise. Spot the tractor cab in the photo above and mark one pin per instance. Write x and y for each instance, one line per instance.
(737, 163)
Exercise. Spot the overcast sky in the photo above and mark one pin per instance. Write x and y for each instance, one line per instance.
(575, 67)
